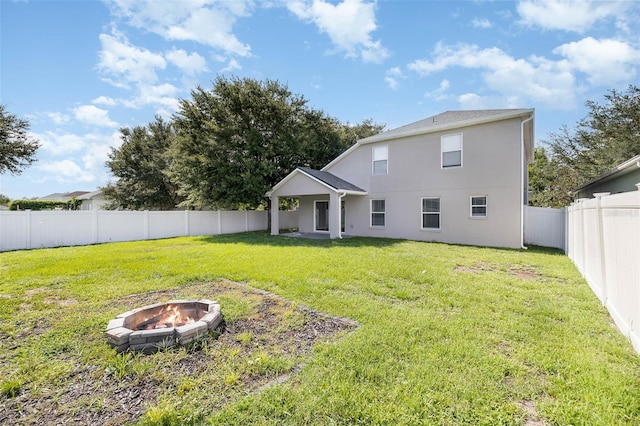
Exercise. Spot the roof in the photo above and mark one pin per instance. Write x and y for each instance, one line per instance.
(446, 121)
(449, 119)
(58, 196)
(89, 195)
(621, 169)
(330, 179)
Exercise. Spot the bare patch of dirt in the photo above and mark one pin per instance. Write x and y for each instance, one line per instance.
(531, 415)
(60, 302)
(276, 328)
(523, 272)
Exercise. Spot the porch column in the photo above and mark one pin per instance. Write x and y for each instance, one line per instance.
(334, 215)
(275, 215)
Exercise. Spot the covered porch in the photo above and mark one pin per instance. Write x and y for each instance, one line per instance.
(322, 201)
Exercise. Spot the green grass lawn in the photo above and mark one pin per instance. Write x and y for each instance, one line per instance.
(447, 335)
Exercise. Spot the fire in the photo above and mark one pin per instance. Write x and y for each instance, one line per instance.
(171, 317)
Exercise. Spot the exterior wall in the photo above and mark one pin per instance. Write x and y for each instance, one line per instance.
(624, 183)
(306, 211)
(300, 184)
(491, 166)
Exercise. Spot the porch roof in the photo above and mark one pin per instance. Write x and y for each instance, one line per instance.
(326, 179)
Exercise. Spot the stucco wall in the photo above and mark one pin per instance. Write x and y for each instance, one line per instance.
(491, 167)
(624, 183)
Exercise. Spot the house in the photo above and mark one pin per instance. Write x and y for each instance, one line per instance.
(58, 196)
(457, 177)
(92, 200)
(623, 178)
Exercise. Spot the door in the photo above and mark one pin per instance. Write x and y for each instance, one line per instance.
(321, 216)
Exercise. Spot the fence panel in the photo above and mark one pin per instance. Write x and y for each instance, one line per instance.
(545, 227)
(604, 244)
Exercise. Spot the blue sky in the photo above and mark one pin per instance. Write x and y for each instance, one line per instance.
(81, 70)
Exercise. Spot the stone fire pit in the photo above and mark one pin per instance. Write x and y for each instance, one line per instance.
(164, 324)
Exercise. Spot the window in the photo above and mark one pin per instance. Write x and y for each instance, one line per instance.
(377, 213)
(451, 147)
(431, 213)
(380, 156)
(479, 206)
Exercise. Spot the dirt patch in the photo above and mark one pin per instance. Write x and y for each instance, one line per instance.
(531, 415)
(523, 272)
(265, 340)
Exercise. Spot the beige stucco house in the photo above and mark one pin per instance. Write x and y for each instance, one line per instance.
(457, 177)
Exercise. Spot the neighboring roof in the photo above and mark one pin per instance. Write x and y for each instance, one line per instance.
(58, 196)
(445, 121)
(621, 169)
(330, 179)
(89, 195)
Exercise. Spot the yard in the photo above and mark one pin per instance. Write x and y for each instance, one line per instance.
(437, 334)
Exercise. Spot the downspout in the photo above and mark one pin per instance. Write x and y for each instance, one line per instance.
(341, 194)
(523, 162)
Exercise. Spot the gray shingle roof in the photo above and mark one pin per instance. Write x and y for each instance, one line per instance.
(446, 119)
(331, 180)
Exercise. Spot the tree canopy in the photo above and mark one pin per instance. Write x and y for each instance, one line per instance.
(237, 140)
(606, 137)
(140, 166)
(17, 148)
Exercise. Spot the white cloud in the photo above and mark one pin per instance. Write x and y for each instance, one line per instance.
(104, 100)
(121, 59)
(164, 95)
(604, 61)
(58, 118)
(577, 16)
(191, 63)
(482, 23)
(231, 66)
(392, 76)
(60, 143)
(66, 171)
(204, 21)
(439, 94)
(348, 24)
(93, 115)
(525, 81)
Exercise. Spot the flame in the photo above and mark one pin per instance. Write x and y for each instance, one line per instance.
(172, 317)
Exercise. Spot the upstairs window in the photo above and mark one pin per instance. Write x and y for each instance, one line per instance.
(431, 213)
(451, 148)
(380, 156)
(378, 213)
(479, 206)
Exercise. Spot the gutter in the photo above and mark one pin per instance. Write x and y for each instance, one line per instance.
(523, 162)
(340, 195)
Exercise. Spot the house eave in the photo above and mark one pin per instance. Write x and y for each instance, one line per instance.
(621, 169)
(329, 187)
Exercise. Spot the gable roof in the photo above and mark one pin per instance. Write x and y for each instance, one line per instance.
(330, 181)
(445, 121)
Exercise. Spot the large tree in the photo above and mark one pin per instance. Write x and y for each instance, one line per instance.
(140, 166)
(606, 137)
(234, 142)
(17, 148)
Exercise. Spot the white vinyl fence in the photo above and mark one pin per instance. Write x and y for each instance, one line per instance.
(38, 229)
(545, 227)
(604, 243)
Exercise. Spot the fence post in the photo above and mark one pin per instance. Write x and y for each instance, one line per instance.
(601, 253)
(27, 235)
(219, 222)
(187, 231)
(94, 226)
(146, 224)
(246, 221)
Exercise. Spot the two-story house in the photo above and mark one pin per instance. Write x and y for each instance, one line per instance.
(457, 177)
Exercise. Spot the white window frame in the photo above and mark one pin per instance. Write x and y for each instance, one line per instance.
(372, 212)
(447, 144)
(374, 159)
(485, 205)
(438, 213)
(315, 209)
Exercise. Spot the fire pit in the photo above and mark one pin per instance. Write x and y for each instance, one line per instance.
(163, 324)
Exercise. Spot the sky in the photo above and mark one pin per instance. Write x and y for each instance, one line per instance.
(79, 71)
